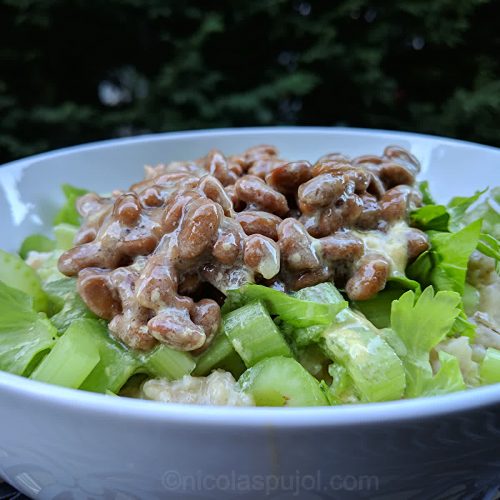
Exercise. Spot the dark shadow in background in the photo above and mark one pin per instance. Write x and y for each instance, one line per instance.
(72, 71)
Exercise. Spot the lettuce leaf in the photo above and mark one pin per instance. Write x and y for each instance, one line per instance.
(418, 325)
(36, 243)
(68, 213)
(457, 215)
(16, 273)
(67, 303)
(451, 253)
(25, 335)
(298, 310)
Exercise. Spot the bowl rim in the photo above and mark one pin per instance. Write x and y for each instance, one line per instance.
(360, 414)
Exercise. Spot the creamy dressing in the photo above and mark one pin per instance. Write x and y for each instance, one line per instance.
(391, 244)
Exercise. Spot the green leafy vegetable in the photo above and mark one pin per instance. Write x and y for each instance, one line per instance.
(297, 310)
(68, 213)
(24, 334)
(65, 234)
(16, 273)
(36, 243)
(67, 303)
(418, 326)
(426, 194)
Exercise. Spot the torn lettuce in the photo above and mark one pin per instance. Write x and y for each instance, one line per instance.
(16, 273)
(68, 213)
(67, 303)
(25, 335)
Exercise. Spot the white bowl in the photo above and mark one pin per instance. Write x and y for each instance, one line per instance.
(60, 443)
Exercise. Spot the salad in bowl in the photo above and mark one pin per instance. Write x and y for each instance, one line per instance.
(254, 280)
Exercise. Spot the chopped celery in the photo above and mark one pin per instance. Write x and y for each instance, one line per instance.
(297, 310)
(25, 335)
(375, 369)
(490, 367)
(254, 335)
(220, 354)
(116, 364)
(65, 234)
(341, 390)
(71, 360)
(68, 213)
(16, 273)
(166, 362)
(36, 243)
(281, 381)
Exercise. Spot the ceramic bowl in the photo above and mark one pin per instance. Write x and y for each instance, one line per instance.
(57, 443)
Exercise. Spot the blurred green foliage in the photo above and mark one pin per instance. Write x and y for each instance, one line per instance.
(74, 70)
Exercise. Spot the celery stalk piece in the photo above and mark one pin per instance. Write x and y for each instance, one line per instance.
(166, 362)
(351, 340)
(116, 364)
(375, 369)
(65, 234)
(281, 381)
(16, 273)
(71, 360)
(254, 335)
(490, 367)
(25, 335)
(220, 354)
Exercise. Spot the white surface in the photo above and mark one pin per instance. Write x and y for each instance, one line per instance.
(58, 441)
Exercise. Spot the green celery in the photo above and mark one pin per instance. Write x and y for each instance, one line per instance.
(71, 360)
(220, 354)
(490, 367)
(418, 325)
(254, 335)
(281, 381)
(116, 364)
(166, 362)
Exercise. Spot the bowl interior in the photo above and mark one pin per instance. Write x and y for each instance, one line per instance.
(30, 189)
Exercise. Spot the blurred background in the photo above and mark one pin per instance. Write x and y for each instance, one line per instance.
(73, 71)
